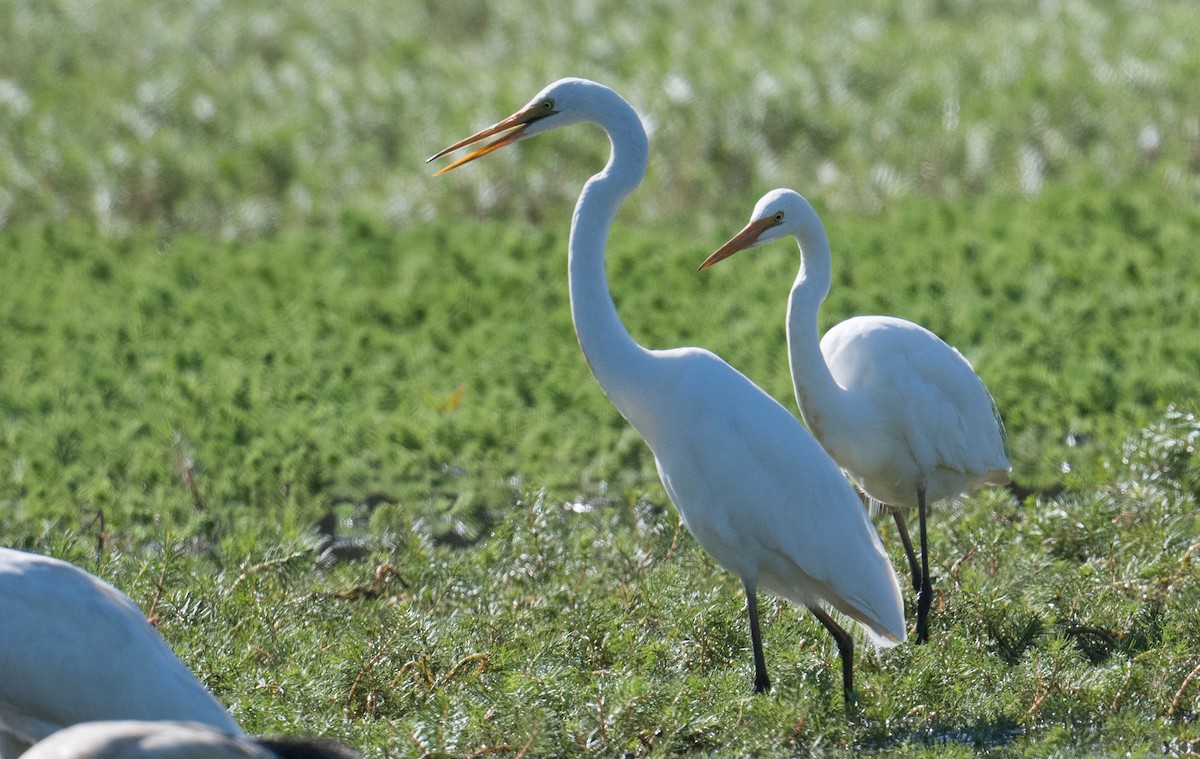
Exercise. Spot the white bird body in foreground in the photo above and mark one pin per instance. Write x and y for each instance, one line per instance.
(75, 649)
(902, 411)
(750, 483)
(135, 739)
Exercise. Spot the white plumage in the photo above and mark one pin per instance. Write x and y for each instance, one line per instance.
(903, 412)
(133, 739)
(923, 413)
(75, 649)
(750, 483)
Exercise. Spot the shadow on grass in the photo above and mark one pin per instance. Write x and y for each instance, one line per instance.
(981, 735)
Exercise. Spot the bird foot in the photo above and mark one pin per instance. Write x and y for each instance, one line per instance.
(924, 601)
(851, 699)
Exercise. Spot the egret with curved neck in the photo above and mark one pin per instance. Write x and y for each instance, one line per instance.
(750, 483)
(903, 412)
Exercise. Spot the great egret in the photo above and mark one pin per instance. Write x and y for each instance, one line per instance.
(903, 412)
(75, 649)
(134, 739)
(752, 486)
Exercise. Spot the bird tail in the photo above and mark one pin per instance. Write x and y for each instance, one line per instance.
(884, 627)
(880, 636)
(886, 637)
(878, 606)
(876, 507)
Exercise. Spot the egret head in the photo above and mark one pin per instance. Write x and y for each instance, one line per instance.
(564, 102)
(778, 214)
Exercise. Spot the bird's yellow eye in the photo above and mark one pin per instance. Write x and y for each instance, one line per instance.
(548, 105)
(779, 217)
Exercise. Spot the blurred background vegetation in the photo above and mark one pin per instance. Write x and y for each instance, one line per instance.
(1020, 177)
(236, 119)
(234, 301)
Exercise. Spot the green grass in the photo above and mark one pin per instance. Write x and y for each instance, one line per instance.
(1062, 628)
(234, 301)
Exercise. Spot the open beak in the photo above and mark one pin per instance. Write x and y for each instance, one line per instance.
(513, 128)
(748, 237)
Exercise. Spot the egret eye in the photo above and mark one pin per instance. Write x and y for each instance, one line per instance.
(779, 217)
(548, 105)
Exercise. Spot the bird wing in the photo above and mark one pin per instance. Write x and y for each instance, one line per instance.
(762, 496)
(76, 649)
(948, 417)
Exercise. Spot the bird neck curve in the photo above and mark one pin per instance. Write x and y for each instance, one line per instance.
(617, 361)
(817, 392)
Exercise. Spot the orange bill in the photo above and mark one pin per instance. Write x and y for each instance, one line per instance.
(742, 240)
(514, 126)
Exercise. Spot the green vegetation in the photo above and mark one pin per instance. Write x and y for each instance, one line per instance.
(234, 302)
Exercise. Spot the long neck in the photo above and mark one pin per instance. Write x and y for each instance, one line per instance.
(816, 390)
(618, 362)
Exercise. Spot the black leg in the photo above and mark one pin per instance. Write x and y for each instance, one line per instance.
(925, 596)
(913, 566)
(845, 646)
(762, 683)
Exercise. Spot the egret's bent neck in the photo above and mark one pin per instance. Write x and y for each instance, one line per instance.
(616, 360)
(814, 384)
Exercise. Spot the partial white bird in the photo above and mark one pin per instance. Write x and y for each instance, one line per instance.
(75, 649)
(750, 483)
(134, 739)
(903, 412)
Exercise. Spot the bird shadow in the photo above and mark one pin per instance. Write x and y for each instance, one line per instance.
(982, 735)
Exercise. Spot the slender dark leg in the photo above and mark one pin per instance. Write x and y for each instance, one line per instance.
(925, 595)
(913, 566)
(845, 646)
(762, 683)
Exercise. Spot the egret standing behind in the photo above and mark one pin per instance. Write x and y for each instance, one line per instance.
(901, 410)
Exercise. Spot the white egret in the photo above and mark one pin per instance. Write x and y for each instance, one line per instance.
(135, 739)
(750, 483)
(903, 412)
(75, 649)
